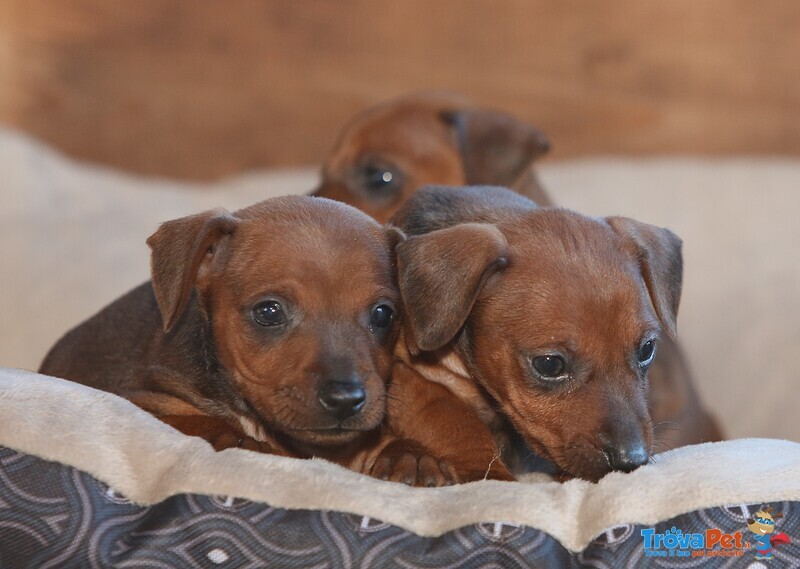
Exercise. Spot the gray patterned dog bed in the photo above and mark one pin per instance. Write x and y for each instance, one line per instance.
(89, 480)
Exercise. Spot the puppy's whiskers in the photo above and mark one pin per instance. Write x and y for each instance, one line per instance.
(402, 402)
(495, 458)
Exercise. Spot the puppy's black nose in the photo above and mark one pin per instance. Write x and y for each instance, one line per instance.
(342, 398)
(627, 458)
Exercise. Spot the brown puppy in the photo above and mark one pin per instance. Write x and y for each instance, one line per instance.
(271, 328)
(540, 322)
(388, 152)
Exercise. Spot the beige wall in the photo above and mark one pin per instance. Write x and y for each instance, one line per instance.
(203, 89)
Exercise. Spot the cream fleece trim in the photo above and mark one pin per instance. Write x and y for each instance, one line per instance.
(147, 461)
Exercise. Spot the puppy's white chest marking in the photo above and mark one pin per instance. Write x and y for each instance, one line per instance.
(447, 368)
(252, 429)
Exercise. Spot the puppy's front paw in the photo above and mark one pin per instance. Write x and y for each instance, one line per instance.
(408, 462)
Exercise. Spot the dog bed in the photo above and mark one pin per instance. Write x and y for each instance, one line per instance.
(90, 480)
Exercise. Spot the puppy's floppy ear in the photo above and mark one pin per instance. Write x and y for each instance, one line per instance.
(395, 236)
(495, 147)
(180, 248)
(661, 262)
(441, 275)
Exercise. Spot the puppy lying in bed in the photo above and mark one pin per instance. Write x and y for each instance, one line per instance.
(272, 328)
(532, 324)
(388, 152)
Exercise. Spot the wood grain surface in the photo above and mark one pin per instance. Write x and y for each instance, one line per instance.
(201, 89)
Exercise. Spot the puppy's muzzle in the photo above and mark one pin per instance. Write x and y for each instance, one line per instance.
(342, 398)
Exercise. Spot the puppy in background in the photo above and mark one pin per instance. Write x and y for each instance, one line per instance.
(272, 328)
(387, 153)
(532, 324)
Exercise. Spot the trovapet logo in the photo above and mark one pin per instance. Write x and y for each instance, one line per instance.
(710, 543)
(761, 538)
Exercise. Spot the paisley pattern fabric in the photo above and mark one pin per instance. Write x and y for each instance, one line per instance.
(54, 516)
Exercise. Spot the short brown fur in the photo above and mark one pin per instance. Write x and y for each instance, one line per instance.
(429, 139)
(444, 139)
(491, 283)
(187, 346)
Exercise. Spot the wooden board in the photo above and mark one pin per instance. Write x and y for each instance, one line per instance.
(201, 89)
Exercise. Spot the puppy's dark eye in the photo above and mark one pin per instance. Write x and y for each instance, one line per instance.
(646, 353)
(381, 317)
(549, 367)
(269, 313)
(379, 179)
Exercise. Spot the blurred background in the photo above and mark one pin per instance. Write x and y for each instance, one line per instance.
(200, 90)
(116, 115)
